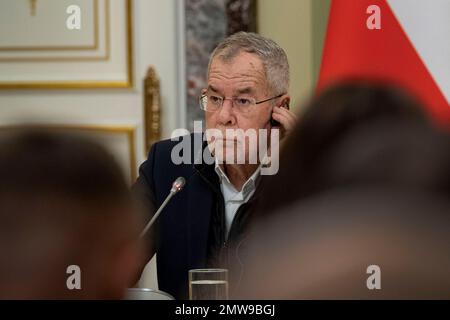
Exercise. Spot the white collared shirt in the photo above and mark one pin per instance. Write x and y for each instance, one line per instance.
(232, 197)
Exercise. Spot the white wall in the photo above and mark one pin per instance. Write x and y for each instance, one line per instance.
(299, 26)
(156, 43)
(289, 23)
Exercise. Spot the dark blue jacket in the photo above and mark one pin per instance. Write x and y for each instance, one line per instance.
(190, 232)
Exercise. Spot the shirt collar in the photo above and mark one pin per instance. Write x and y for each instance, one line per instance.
(248, 187)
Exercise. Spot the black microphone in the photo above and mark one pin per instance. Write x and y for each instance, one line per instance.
(177, 186)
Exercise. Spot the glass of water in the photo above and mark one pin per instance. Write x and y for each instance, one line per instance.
(208, 284)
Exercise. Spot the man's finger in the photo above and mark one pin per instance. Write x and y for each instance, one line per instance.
(286, 122)
(286, 112)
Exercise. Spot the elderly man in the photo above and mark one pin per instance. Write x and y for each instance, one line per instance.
(248, 80)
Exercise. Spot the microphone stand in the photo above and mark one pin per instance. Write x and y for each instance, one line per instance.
(177, 185)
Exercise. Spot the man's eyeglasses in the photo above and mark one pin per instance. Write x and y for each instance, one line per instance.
(212, 103)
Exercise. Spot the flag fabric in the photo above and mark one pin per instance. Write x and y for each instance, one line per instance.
(406, 43)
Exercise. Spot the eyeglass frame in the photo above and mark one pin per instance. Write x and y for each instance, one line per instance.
(232, 100)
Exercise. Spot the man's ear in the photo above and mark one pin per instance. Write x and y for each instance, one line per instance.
(285, 102)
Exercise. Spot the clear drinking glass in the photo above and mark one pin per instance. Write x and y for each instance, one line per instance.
(208, 284)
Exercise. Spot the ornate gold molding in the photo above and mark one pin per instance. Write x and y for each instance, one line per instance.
(89, 84)
(33, 5)
(94, 46)
(152, 108)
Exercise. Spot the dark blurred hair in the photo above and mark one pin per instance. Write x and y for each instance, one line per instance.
(339, 114)
(36, 161)
(364, 179)
(63, 201)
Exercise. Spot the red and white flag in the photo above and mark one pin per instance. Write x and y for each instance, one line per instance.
(404, 42)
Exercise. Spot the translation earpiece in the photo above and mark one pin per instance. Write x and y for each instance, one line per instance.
(274, 123)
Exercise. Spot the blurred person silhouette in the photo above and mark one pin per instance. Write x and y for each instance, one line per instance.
(63, 202)
(330, 115)
(368, 184)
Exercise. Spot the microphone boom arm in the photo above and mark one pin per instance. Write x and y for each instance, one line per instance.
(177, 185)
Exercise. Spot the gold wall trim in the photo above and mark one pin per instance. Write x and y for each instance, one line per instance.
(129, 131)
(152, 108)
(104, 57)
(65, 48)
(129, 11)
(89, 84)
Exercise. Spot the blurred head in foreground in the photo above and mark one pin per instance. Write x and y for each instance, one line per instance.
(325, 248)
(329, 118)
(63, 202)
(368, 185)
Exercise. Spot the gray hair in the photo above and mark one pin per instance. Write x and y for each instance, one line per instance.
(273, 57)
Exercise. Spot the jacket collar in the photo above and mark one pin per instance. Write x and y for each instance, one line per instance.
(205, 170)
